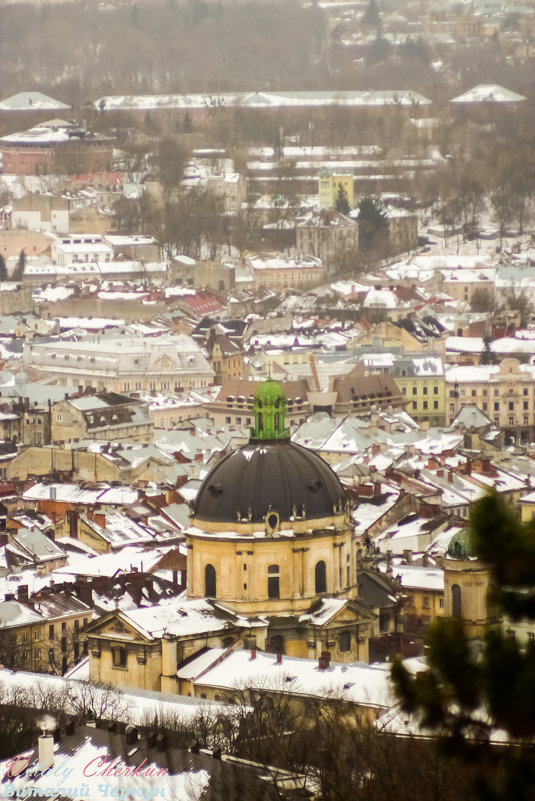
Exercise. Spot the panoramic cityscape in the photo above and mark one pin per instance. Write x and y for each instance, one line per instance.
(267, 400)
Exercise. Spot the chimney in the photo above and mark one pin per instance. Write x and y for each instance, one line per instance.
(253, 653)
(22, 592)
(84, 590)
(161, 742)
(45, 744)
(9, 596)
(407, 555)
(3, 539)
(324, 660)
(376, 488)
(279, 659)
(131, 735)
(450, 476)
(151, 740)
(100, 519)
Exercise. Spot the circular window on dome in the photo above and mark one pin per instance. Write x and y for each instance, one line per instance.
(272, 520)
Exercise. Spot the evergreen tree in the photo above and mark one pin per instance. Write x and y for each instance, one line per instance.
(3, 269)
(470, 692)
(373, 223)
(341, 202)
(20, 266)
(371, 16)
(487, 355)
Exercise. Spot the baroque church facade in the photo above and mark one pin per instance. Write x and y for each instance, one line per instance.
(271, 564)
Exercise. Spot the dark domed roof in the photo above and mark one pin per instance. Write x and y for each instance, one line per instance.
(461, 546)
(276, 474)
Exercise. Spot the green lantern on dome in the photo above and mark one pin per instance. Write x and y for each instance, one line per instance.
(269, 409)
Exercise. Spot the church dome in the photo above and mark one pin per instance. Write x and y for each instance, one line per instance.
(280, 476)
(461, 546)
(270, 474)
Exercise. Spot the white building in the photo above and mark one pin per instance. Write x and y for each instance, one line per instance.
(124, 363)
(80, 249)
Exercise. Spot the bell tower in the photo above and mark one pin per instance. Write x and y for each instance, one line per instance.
(269, 409)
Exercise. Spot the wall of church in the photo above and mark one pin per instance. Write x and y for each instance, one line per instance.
(278, 574)
(466, 594)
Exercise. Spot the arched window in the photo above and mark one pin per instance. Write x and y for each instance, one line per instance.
(345, 641)
(273, 582)
(384, 622)
(320, 577)
(456, 600)
(209, 581)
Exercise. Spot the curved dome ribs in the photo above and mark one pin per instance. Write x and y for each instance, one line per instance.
(279, 475)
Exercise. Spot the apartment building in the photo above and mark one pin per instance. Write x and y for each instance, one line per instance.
(505, 392)
(124, 363)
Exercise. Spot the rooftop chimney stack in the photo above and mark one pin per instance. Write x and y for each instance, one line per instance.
(45, 744)
(279, 659)
(324, 660)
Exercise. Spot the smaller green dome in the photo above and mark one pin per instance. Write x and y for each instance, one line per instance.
(269, 409)
(460, 546)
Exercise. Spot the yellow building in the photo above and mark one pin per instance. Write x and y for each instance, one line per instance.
(397, 337)
(527, 507)
(225, 356)
(108, 416)
(421, 380)
(329, 185)
(271, 559)
(280, 272)
(423, 590)
(505, 392)
(44, 633)
(467, 587)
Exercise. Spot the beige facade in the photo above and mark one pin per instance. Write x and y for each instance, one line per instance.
(15, 298)
(278, 273)
(202, 274)
(124, 364)
(105, 417)
(41, 461)
(47, 642)
(327, 236)
(233, 406)
(124, 654)
(505, 392)
(468, 594)
(226, 358)
(388, 335)
(402, 232)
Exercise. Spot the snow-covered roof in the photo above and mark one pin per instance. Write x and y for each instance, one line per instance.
(415, 577)
(488, 93)
(401, 97)
(356, 683)
(31, 101)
